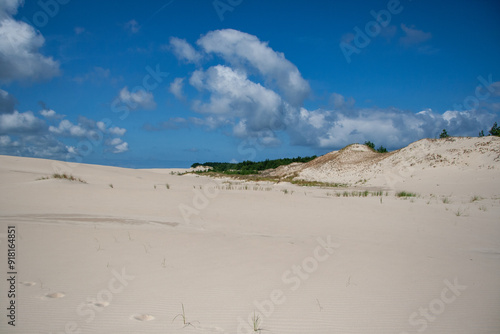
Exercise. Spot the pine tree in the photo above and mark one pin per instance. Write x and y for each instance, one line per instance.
(495, 130)
(444, 134)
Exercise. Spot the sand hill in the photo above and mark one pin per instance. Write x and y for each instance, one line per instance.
(425, 164)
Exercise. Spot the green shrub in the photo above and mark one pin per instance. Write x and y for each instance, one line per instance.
(405, 194)
(370, 145)
(444, 134)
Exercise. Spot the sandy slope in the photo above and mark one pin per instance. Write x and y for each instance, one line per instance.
(428, 165)
(96, 259)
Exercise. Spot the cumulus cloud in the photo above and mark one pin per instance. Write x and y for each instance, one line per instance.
(20, 58)
(253, 107)
(116, 131)
(413, 36)
(140, 99)
(251, 93)
(176, 88)
(257, 94)
(117, 145)
(391, 127)
(50, 114)
(184, 51)
(120, 148)
(245, 50)
(25, 134)
(66, 128)
(17, 122)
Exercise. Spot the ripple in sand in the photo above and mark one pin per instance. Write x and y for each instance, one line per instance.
(143, 317)
(55, 295)
(27, 283)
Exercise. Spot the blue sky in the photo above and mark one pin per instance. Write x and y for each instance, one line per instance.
(172, 82)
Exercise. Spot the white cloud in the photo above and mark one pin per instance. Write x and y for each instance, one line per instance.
(258, 94)
(234, 96)
(390, 127)
(115, 141)
(413, 36)
(245, 50)
(66, 128)
(116, 131)
(24, 134)
(17, 122)
(48, 113)
(176, 88)
(120, 148)
(19, 45)
(140, 99)
(184, 51)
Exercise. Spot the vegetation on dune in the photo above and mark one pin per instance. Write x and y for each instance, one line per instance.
(63, 176)
(250, 167)
(495, 130)
(405, 194)
(371, 145)
(444, 134)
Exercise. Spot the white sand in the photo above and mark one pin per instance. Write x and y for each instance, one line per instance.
(96, 259)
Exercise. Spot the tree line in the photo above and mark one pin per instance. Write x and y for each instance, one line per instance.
(251, 167)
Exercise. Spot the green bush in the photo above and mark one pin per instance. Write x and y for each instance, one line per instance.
(444, 134)
(370, 145)
(381, 149)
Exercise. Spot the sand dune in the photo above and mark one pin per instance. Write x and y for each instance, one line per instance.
(428, 165)
(124, 251)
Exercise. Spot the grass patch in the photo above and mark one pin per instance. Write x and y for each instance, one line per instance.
(405, 194)
(315, 183)
(63, 176)
(475, 198)
(259, 178)
(365, 193)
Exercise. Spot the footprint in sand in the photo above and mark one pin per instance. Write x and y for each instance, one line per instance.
(55, 295)
(27, 283)
(100, 304)
(143, 317)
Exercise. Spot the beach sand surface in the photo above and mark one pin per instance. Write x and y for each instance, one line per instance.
(125, 251)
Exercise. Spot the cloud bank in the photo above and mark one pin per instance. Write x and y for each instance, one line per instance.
(257, 93)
